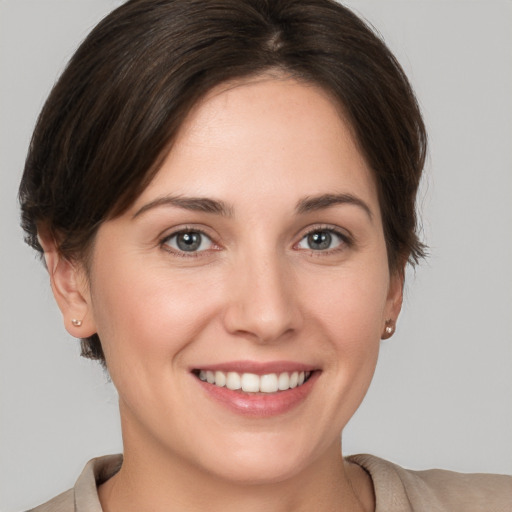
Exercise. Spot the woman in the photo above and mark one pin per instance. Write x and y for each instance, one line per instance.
(236, 214)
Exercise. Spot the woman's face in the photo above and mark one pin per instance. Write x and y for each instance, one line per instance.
(256, 257)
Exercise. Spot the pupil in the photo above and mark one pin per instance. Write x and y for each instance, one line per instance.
(189, 241)
(319, 240)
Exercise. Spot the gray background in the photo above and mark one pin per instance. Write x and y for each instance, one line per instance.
(442, 395)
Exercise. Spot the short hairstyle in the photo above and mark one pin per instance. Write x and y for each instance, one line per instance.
(112, 116)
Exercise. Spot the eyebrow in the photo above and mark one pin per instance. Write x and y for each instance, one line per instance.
(207, 205)
(320, 202)
(198, 204)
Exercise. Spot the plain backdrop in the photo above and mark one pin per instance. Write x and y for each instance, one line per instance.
(442, 393)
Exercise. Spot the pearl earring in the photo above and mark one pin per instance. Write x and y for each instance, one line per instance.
(389, 329)
(76, 323)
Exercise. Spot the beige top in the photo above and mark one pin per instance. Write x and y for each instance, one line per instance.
(396, 489)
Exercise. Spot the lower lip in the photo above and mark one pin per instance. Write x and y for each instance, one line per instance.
(260, 404)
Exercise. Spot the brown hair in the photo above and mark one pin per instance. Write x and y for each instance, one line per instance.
(113, 114)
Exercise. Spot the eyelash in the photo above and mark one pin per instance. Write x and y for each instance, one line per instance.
(164, 243)
(346, 240)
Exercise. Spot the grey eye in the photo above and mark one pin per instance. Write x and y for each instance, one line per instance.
(189, 241)
(321, 240)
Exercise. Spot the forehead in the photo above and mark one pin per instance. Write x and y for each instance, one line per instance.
(265, 135)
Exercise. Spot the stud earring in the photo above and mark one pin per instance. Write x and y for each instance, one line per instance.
(389, 329)
(76, 323)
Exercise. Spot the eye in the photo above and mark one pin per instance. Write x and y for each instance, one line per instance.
(188, 241)
(322, 240)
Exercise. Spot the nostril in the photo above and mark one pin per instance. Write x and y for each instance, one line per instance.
(260, 327)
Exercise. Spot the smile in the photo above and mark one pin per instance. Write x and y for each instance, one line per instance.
(253, 383)
(255, 389)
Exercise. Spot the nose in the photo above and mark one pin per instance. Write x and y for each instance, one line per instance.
(262, 304)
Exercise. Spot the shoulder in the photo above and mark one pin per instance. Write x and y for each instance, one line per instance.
(435, 490)
(83, 497)
(62, 503)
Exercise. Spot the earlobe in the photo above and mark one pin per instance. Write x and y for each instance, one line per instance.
(393, 305)
(70, 289)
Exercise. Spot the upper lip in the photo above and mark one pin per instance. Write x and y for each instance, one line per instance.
(256, 367)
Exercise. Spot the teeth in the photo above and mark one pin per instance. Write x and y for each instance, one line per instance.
(268, 383)
(294, 379)
(252, 383)
(233, 381)
(283, 382)
(220, 379)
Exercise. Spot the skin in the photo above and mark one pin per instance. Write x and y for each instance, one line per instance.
(255, 291)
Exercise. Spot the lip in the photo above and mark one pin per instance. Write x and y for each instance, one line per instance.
(259, 405)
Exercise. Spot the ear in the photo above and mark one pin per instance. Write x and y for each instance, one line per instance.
(393, 302)
(70, 289)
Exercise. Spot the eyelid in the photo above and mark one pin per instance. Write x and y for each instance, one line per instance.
(342, 233)
(346, 237)
(167, 235)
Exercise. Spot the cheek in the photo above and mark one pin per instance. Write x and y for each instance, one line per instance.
(154, 312)
(352, 303)
(349, 312)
